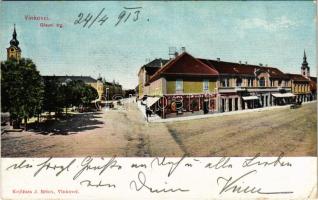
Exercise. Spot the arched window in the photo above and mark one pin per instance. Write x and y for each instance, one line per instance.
(261, 82)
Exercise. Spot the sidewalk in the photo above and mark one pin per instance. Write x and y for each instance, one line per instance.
(142, 108)
(157, 119)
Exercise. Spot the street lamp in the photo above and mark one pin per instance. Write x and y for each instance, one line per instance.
(107, 92)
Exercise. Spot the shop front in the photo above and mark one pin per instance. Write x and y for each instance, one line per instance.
(176, 104)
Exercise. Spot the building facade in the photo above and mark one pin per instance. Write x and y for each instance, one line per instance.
(145, 72)
(188, 84)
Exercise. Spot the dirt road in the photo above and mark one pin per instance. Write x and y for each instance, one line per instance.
(125, 133)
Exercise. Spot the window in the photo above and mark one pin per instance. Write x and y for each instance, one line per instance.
(250, 82)
(205, 85)
(222, 83)
(280, 83)
(239, 82)
(179, 85)
(227, 82)
(262, 82)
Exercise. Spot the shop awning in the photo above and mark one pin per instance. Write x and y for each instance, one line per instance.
(250, 98)
(282, 95)
(151, 100)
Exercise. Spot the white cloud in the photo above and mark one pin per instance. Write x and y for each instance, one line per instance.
(273, 25)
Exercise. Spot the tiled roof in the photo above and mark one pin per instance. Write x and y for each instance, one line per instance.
(313, 83)
(85, 79)
(230, 68)
(184, 65)
(297, 77)
(313, 79)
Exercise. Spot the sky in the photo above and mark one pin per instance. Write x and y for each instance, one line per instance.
(273, 33)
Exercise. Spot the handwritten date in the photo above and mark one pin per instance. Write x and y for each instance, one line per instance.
(90, 19)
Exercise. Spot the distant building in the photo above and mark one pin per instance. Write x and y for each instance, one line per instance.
(112, 90)
(188, 84)
(14, 51)
(97, 84)
(303, 85)
(146, 71)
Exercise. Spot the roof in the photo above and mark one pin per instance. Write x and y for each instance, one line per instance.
(185, 65)
(297, 77)
(313, 83)
(158, 62)
(16, 47)
(313, 79)
(242, 69)
(85, 79)
(151, 70)
(112, 83)
(154, 65)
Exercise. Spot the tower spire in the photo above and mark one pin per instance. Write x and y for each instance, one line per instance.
(14, 51)
(14, 41)
(305, 70)
(14, 35)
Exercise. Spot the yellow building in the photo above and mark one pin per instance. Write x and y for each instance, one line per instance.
(145, 72)
(303, 84)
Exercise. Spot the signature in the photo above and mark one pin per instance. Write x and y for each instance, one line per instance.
(141, 183)
(232, 185)
(99, 184)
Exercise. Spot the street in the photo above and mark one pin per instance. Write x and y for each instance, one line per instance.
(125, 133)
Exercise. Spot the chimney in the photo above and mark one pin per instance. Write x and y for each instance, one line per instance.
(176, 54)
(218, 59)
(183, 49)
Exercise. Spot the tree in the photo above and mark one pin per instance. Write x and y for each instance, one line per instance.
(51, 94)
(88, 95)
(76, 93)
(21, 89)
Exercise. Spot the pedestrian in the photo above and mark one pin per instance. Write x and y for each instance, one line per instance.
(147, 114)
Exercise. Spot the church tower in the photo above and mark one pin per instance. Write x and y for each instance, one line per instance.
(305, 70)
(14, 51)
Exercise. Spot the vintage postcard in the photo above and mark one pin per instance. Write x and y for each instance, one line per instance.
(158, 99)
